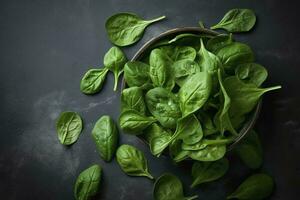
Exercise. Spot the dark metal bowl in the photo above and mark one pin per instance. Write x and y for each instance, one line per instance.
(252, 117)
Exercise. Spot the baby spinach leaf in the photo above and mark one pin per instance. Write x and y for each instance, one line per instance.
(68, 127)
(218, 42)
(134, 122)
(124, 29)
(152, 131)
(194, 93)
(105, 135)
(183, 69)
(244, 97)
(132, 161)
(250, 150)
(164, 106)
(207, 123)
(87, 183)
(209, 153)
(235, 54)
(176, 152)
(208, 61)
(251, 73)
(137, 74)
(133, 99)
(158, 141)
(93, 80)
(206, 142)
(255, 187)
(160, 72)
(176, 53)
(169, 187)
(114, 60)
(222, 119)
(203, 172)
(237, 20)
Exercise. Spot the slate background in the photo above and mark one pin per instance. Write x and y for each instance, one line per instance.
(45, 48)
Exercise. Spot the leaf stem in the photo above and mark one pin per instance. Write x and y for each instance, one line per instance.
(149, 175)
(272, 88)
(156, 19)
(116, 75)
(192, 197)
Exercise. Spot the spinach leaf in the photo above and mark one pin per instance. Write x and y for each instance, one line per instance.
(134, 122)
(158, 141)
(206, 142)
(93, 80)
(207, 123)
(132, 161)
(87, 183)
(237, 20)
(209, 153)
(251, 73)
(235, 54)
(114, 60)
(218, 42)
(176, 152)
(183, 69)
(164, 106)
(250, 150)
(160, 72)
(137, 74)
(68, 127)
(133, 99)
(222, 119)
(194, 93)
(152, 131)
(169, 187)
(105, 135)
(124, 29)
(244, 97)
(176, 53)
(255, 187)
(203, 172)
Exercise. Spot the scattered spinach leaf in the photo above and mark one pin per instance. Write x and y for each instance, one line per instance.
(93, 80)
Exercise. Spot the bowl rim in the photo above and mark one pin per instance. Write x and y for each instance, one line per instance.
(251, 118)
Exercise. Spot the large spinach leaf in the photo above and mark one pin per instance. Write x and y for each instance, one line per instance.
(164, 106)
(237, 20)
(169, 187)
(203, 172)
(124, 29)
(255, 187)
(114, 60)
(68, 127)
(132, 161)
(87, 183)
(105, 135)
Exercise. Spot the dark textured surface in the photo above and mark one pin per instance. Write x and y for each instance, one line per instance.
(46, 46)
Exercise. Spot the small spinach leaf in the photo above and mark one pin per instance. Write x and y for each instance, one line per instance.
(132, 161)
(87, 183)
(255, 187)
(124, 29)
(133, 99)
(169, 187)
(203, 172)
(93, 80)
(68, 127)
(105, 135)
(194, 93)
(251, 73)
(164, 106)
(134, 122)
(114, 60)
(209, 153)
(183, 69)
(237, 20)
(218, 42)
(137, 74)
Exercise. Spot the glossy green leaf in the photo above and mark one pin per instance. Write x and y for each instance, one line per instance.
(93, 80)
(252, 73)
(133, 99)
(137, 74)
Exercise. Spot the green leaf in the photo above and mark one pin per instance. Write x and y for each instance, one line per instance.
(133, 99)
(218, 42)
(137, 74)
(124, 29)
(176, 53)
(164, 106)
(87, 183)
(203, 172)
(194, 93)
(134, 122)
(114, 60)
(252, 73)
(255, 187)
(209, 153)
(183, 69)
(237, 20)
(93, 80)
(169, 187)
(68, 127)
(132, 161)
(250, 151)
(105, 135)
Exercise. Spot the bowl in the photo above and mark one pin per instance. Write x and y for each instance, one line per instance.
(251, 118)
